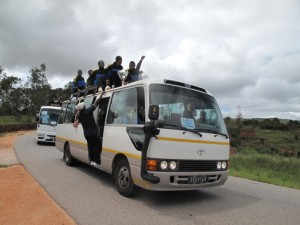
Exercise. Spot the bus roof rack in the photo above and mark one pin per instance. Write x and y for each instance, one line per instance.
(56, 103)
(84, 92)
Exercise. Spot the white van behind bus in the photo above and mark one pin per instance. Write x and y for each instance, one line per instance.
(46, 124)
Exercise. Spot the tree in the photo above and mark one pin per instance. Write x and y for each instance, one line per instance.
(38, 89)
(239, 117)
(60, 94)
(17, 102)
(7, 85)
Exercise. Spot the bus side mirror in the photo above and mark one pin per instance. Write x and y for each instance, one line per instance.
(153, 113)
(37, 119)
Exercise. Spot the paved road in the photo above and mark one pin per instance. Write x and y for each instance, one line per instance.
(89, 196)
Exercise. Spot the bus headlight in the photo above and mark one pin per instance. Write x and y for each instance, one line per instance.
(173, 165)
(224, 165)
(219, 165)
(163, 165)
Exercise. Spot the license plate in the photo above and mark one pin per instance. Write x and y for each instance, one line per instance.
(197, 179)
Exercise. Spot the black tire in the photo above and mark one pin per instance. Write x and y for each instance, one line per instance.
(70, 161)
(123, 179)
(38, 142)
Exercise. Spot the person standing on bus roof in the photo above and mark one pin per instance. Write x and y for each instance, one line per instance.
(134, 73)
(113, 72)
(86, 118)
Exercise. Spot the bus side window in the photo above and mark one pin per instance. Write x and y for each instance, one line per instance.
(116, 107)
(70, 112)
(102, 114)
(88, 101)
(62, 113)
(127, 107)
(140, 105)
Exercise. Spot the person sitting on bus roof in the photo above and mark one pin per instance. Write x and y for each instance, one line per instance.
(85, 116)
(91, 81)
(79, 82)
(100, 75)
(134, 73)
(113, 72)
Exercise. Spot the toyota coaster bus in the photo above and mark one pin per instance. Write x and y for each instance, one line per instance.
(158, 134)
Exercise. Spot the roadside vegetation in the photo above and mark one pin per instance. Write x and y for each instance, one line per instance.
(23, 98)
(11, 120)
(266, 150)
(20, 100)
(271, 169)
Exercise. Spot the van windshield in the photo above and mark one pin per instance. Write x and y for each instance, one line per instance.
(49, 116)
(182, 108)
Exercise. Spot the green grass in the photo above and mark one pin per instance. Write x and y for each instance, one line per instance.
(280, 139)
(266, 168)
(11, 120)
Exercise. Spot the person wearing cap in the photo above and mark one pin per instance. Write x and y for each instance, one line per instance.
(86, 118)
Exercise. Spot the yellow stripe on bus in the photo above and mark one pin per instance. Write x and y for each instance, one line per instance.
(69, 140)
(125, 153)
(192, 141)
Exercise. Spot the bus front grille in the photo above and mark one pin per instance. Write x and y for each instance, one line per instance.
(198, 165)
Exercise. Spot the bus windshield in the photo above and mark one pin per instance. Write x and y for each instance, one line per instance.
(49, 116)
(182, 108)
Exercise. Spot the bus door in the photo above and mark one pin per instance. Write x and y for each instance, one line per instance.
(102, 110)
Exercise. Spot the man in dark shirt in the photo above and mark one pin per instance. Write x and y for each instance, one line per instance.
(86, 118)
(101, 75)
(134, 73)
(91, 81)
(113, 72)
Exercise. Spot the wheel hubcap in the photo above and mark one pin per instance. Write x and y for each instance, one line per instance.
(123, 177)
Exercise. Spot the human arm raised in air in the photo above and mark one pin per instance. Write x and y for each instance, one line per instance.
(138, 66)
(99, 99)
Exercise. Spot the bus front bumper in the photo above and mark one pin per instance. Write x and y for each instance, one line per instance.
(49, 138)
(186, 181)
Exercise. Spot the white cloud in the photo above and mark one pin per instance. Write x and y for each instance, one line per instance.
(245, 52)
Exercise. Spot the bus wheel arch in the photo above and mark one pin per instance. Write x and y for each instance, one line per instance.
(122, 176)
(70, 161)
(117, 158)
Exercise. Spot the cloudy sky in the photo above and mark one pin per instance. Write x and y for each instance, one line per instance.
(246, 53)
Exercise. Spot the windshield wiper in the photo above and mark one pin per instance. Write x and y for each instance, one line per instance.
(219, 133)
(163, 125)
(216, 133)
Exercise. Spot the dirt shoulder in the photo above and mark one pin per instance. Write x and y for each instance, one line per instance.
(22, 199)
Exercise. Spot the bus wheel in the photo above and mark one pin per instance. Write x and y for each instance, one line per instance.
(70, 161)
(123, 179)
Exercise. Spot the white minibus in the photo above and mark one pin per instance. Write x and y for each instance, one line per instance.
(46, 124)
(157, 134)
